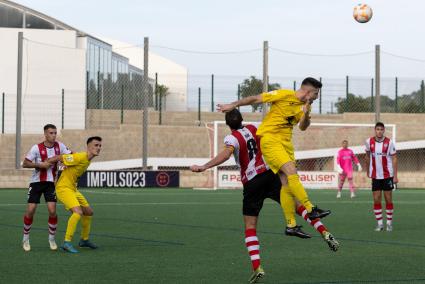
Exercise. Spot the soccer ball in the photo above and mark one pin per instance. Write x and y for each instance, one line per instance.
(362, 13)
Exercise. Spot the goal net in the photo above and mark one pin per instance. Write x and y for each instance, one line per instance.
(315, 153)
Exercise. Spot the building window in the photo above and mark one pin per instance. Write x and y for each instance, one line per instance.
(10, 17)
(34, 22)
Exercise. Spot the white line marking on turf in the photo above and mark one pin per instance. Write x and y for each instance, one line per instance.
(142, 203)
(145, 193)
(210, 203)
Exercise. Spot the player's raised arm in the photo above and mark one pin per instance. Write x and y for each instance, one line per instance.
(251, 100)
(217, 160)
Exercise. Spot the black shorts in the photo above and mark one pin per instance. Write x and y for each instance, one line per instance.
(386, 184)
(36, 189)
(262, 186)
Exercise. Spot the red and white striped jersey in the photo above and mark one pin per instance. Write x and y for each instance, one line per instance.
(40, 153)
(247, 152)
(381, 163)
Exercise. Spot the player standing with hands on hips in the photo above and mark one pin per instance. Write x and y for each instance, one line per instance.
(382, 160)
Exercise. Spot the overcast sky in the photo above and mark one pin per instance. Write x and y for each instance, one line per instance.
(305, 26)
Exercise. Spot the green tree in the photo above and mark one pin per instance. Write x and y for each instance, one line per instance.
(253, 86)
(162, 92)
(353, 103)
(411, 103)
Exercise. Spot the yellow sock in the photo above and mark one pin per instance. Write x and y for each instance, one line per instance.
(85, 224)
(288, 205)
(297, 190)
(72, 226)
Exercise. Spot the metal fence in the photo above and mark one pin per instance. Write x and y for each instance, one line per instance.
(168, 111)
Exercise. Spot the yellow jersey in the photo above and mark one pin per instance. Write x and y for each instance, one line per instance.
(76, 164)
(286, 111)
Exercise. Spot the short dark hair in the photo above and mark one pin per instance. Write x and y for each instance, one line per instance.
(49, 126)
(234, 119)
(97, 138)
(309, 81)
(379, 124)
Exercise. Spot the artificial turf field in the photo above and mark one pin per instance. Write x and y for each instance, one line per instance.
(187, 236)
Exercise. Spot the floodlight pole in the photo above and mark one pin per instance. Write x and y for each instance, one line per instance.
(265, 73)
(19, 103)
(145, 101)
(377, 83)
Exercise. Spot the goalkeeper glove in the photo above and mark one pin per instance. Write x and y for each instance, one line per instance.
(339, 169)
(359, 167)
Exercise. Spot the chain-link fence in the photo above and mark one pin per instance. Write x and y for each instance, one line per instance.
(97, 91)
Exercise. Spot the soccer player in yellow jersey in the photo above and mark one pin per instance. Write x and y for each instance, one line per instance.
(67, 193)
(288, 108)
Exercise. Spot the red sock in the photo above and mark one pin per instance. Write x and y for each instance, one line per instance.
(53, 221)
(27, 225)
(253, 246)
(389, 210)
(377, 209)
(316, 223)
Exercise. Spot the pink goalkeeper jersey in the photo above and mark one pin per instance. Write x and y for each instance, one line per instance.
(345, 159)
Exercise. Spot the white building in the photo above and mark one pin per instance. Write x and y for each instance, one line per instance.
(93, 73)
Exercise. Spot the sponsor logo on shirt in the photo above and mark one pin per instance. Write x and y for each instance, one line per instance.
(69, 159)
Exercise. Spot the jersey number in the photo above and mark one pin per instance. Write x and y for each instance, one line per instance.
(252, 148)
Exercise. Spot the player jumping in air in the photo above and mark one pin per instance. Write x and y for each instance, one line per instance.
(288, 108)
(43, 182)
(345, 161)
(67, 193)
(382, 160)
(259, 183)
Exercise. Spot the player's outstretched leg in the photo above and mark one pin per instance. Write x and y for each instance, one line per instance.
(256, 275)
(288, 204)
(318, 226)
(298, 191)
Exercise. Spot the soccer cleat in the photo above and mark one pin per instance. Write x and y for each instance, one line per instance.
(331, 241)
(389, 228)
(296, 232)
(353, 195)
(379, 228)
(318, 213)
(256, 275)
(68, 247)
(26, 245)
(338, 195)
(52, 244)
(87, 244)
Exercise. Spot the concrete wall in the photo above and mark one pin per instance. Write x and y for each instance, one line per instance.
(47, 69)
(181, 137)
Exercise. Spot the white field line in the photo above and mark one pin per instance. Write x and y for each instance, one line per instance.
(216, 203)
